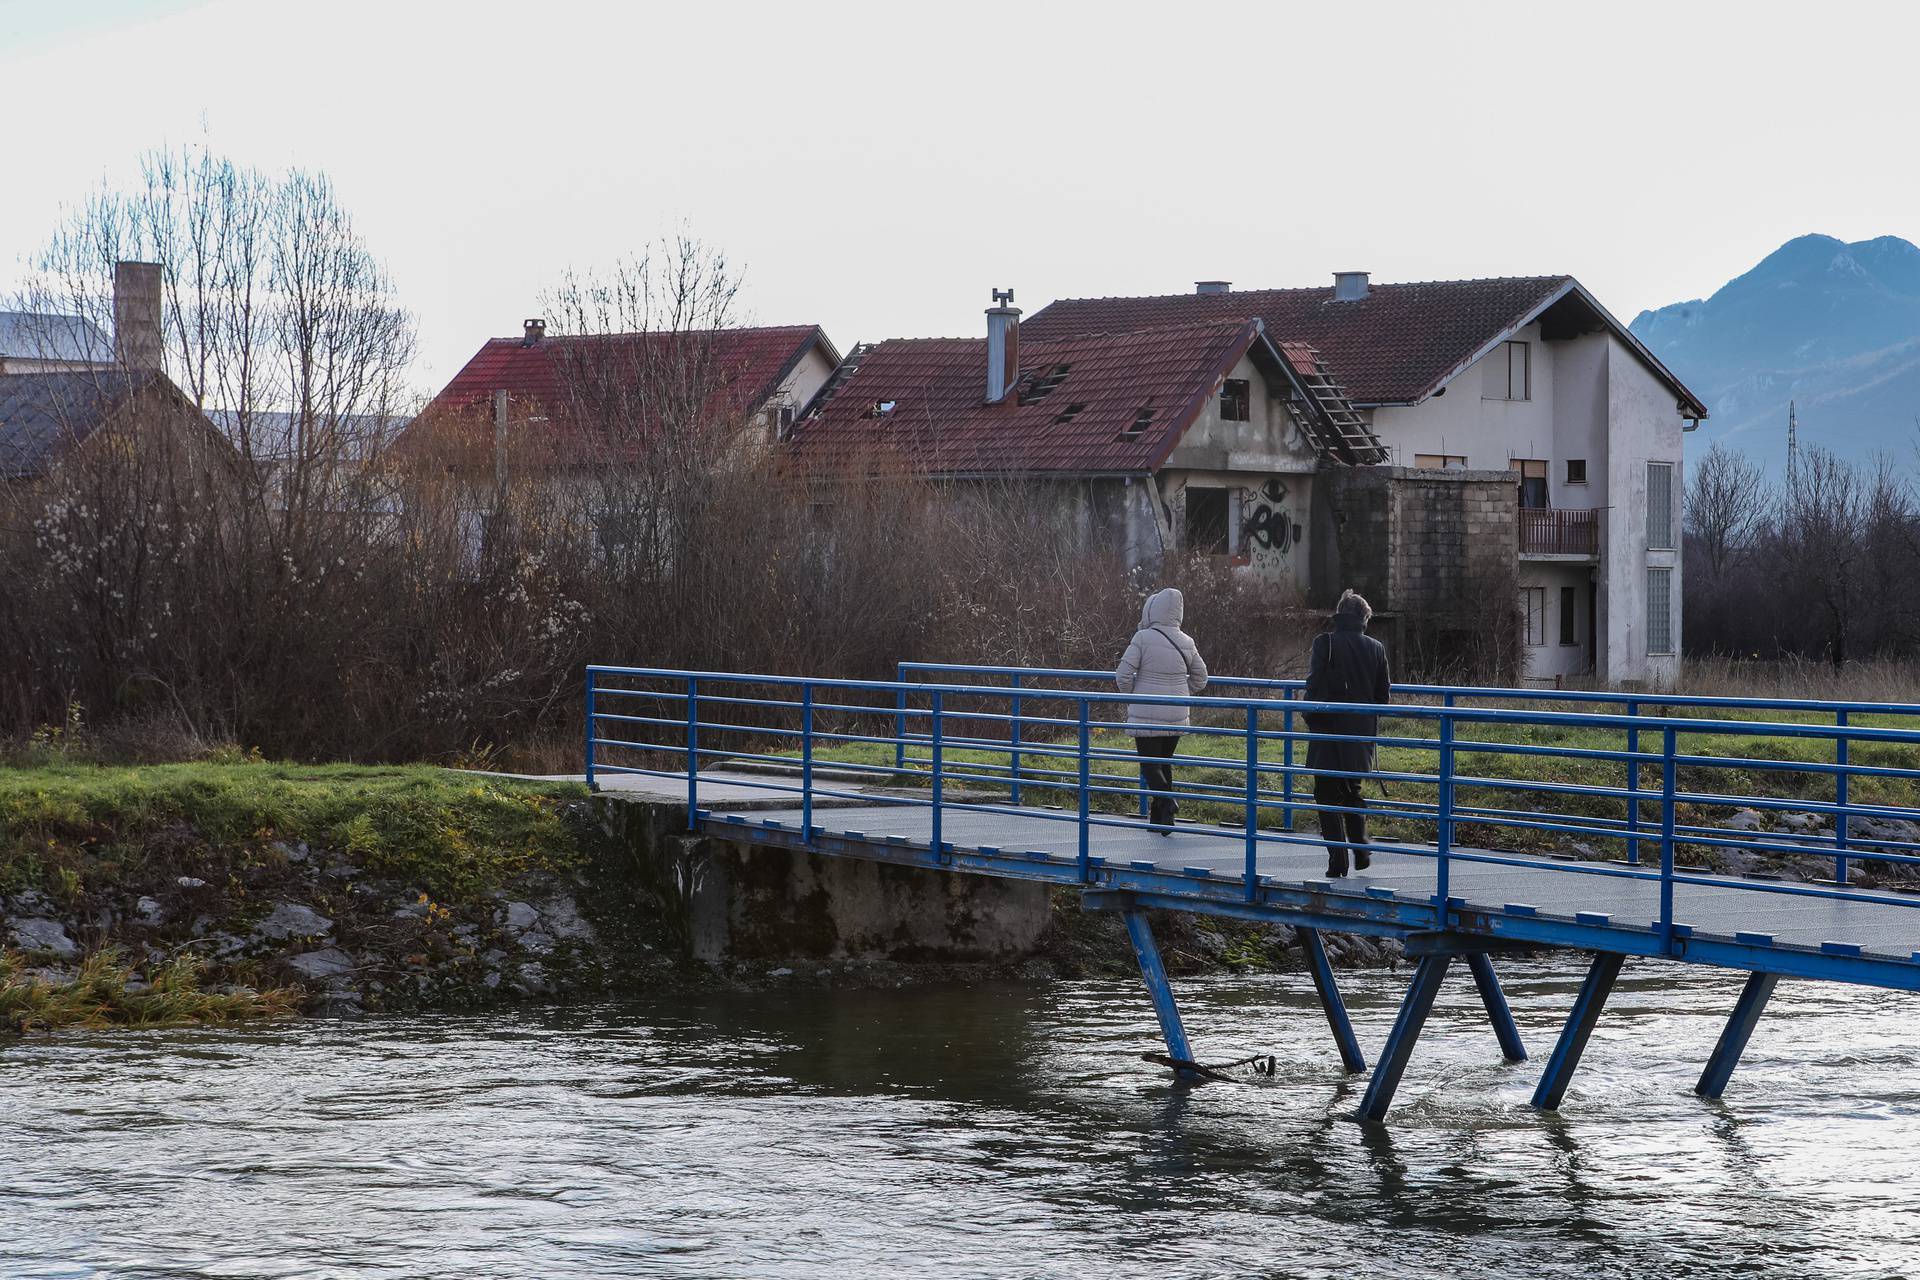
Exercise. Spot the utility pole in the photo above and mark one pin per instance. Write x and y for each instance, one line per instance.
(1793, 447)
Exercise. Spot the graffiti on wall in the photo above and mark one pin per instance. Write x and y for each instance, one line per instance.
(1269, 526)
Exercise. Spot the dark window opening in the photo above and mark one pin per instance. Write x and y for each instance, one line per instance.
(1566, 616)
(1206, 521)
(1042, 384)
(1576, 470)
(1236, 400)
(1141, 421)
(1533, 484)
(1068, 414)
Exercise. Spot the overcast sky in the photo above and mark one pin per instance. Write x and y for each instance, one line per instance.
(878, 168)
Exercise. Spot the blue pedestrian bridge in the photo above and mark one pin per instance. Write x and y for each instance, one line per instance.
(1771, 836)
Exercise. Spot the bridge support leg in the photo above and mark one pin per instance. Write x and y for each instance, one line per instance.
(1323, 982)
(1154, 974)
(1734, 1036)
(1496, 1001)
(1406, 1030)
(1580, 1023)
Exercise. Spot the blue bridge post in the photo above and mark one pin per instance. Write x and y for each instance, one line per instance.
(693, 753)
(1013, 739)
(1406, 1032)
(1329, 989)
(1840, 789)
(900, 722)
(1498, 1013)
(1578, 1030)
(1286, 761)
(1086, 827)
(1443, 837)
(1633, 784)
(806, 762)
(1154, 973)
(1734, 1036)
(1253, 802)
(939, 781)
(590, 728)
(1669, 780)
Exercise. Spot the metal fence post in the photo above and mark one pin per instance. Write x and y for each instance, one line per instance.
(806, 762)
(1840, 790)
(590, 728)
(939, 781)
(1444, 834)
(1668, 780)
(1286, 762)
(900, 728)
(693, 753)
(1253, 801)
(1086, 850)
(1633, 785)
(1013, 759)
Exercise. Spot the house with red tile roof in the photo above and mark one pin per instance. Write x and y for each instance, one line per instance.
(545, 396)
(1527, 378)
(1188, 438)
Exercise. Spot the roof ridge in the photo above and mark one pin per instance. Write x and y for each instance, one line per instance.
(1225, 299)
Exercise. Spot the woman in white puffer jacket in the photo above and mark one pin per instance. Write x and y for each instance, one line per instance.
(1162, 661)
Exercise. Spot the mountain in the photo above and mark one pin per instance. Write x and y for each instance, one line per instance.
(1831, 326)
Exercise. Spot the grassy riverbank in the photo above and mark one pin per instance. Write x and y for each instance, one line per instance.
(217, 891)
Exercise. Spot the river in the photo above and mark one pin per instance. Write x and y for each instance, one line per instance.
(1004, 1131)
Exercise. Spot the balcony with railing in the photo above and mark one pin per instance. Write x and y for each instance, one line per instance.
(1559, 532)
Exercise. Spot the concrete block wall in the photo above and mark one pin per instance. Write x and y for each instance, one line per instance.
(1414, 540)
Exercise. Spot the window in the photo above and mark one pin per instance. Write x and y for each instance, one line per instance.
(1659, 611)
(1660, 506)
(1508, 373)
(1236, 400)
(1141, 421)
(881, 408)
(783, 421)
(1566, 616)
(1206, 521)
(1441, 461)
(1533, 604)
(1576, 470)
(1533, 483)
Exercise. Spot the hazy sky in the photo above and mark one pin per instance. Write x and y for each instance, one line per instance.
(878, 168)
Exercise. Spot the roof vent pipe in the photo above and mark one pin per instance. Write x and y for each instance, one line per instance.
(1003, 345)
(535, 329)
(1213, 286)
(1349, 286)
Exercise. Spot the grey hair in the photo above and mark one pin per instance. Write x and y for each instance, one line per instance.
(1353, 605)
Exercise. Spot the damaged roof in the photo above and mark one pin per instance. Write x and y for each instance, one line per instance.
(1100, 404)
(1396, 345)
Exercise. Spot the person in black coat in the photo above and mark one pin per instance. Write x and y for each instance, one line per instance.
(1347, 665)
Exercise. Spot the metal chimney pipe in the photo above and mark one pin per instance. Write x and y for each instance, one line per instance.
(1003, 345)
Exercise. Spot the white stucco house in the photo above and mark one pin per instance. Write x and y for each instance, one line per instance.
(1527, 375)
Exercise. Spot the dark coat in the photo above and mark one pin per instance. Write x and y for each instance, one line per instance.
(1348, 665)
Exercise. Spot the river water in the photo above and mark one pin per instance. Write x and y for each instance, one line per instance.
(1005, 1131)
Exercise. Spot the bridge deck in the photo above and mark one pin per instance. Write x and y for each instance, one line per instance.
(1536, 901)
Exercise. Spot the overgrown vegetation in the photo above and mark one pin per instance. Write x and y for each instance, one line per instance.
(68, 828)
(105, 991)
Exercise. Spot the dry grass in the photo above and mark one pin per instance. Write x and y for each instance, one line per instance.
(106, 991)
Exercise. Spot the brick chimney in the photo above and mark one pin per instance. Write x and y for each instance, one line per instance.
(137, 345)
(1003, 345)
(533, 330)
(1213, 286)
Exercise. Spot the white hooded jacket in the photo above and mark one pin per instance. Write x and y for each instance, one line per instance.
(1161, 661)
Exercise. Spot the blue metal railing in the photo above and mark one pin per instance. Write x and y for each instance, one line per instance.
(991, 747)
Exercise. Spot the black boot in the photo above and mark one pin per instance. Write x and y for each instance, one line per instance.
(1357, 837)
(1160, 815)
(1333, 831)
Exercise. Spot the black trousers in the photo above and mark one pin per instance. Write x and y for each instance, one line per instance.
(1156, 776)
(1344, 792)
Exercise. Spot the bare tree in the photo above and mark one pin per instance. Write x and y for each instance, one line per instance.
(1726, 507)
